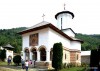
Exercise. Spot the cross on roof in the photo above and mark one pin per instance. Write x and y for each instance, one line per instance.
(64, 6)
(43, 16)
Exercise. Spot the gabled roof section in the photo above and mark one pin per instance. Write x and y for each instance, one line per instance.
(8, 46)
(35, 27)
(69, 29)
(43, 25)
(76, 39)
(39, 24)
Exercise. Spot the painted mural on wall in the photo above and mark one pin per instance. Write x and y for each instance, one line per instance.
(33, 39)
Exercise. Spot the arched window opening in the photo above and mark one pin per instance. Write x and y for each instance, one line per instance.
(34, 56)
(42, 54)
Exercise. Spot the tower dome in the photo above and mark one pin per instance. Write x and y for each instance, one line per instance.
(63, 18)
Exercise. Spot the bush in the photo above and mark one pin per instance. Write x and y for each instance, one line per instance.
(71, 65)
(57, 56)
(17, 59)
(64, 65)
(84, 64)
(2, 54)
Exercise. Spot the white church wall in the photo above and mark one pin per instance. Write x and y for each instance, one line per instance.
(66, 56)
(75, 45)
(25, 41)
(42, 38)
(69, 33)
(55, 37)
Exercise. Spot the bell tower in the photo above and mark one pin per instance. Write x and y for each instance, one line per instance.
(64, 18)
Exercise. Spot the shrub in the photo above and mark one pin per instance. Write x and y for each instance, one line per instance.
(17, 59)
(84, 64)
(2, 54)
(71, 65)
(57, 56)
(64, 65)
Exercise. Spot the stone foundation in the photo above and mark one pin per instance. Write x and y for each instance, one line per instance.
(43, 64)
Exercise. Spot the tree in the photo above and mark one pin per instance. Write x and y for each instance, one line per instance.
(3, 54)
(10, 36)
(57, 56)
(17, 59)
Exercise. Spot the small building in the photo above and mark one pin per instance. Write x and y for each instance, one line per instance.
(85, 57)
(9, 51)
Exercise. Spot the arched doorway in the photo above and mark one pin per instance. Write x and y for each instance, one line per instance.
(42, 54)
(34, 56)
(26, 54)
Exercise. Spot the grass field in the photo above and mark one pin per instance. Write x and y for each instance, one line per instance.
(74, 69)
(3, 63)
(70, 69)
(5, 67)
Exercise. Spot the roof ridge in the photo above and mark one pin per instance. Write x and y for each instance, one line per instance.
(37, 25)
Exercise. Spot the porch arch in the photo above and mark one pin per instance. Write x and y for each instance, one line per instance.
(42, 50)
(34, 53)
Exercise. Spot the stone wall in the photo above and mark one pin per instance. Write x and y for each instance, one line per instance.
(85, 59)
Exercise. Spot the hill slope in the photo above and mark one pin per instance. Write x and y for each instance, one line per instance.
(11, 36)
(90, 41)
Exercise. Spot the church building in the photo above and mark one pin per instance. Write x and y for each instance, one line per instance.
(38, 41)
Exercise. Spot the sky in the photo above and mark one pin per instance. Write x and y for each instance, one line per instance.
(26, 13)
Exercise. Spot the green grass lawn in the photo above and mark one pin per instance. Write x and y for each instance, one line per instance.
(3, 63)
(74, 69)
(66, 69)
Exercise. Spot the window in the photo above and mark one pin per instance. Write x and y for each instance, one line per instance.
(65, 56)
(77, 57)
(61, 23)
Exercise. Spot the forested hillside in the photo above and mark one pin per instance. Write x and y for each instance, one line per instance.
(10, 36)
(90, 41)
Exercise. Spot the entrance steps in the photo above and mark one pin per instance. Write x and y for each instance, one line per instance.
(42, 65)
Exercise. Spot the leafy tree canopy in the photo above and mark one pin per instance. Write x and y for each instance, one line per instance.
(10, 36)
(90, 41)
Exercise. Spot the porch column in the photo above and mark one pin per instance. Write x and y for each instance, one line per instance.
(47, 55)
(38, 55)
(30, 55)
